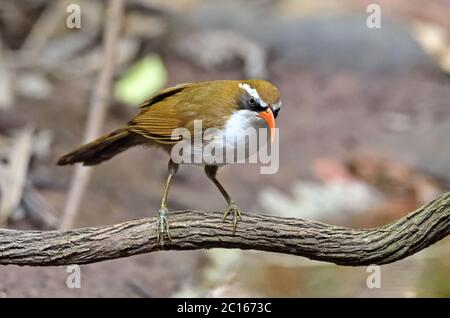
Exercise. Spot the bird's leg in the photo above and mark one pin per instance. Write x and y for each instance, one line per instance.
(162, 226)
(211, 172)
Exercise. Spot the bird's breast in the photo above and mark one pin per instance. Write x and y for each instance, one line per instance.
(235, 142)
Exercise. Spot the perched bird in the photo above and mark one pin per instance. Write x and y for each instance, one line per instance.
(226, 108)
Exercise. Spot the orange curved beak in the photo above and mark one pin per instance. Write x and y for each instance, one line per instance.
(267, 115)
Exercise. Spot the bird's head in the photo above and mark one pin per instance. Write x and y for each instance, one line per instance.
(262, 98)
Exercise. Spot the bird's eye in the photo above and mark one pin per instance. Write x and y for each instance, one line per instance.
(252, 101)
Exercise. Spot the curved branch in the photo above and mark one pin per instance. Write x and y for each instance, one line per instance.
(196, 230)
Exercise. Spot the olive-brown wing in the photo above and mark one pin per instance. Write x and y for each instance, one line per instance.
(179, 107)
(158, 116)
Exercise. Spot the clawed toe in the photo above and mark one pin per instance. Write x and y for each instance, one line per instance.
(162, 227)
(232, 209)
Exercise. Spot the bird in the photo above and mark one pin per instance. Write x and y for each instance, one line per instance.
(224, 107)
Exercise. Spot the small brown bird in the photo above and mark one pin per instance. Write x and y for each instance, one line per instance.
(226, 108)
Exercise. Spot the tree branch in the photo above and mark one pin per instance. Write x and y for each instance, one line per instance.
(195, 230)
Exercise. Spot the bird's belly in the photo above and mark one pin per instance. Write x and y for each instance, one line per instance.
(219, 149)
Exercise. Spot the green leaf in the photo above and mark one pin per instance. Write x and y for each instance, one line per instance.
(142, 80)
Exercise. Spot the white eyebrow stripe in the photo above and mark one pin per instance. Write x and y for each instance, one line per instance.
(253, 93)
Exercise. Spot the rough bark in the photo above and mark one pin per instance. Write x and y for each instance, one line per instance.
(197, 230)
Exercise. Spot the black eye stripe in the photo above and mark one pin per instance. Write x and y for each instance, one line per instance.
(255, 105)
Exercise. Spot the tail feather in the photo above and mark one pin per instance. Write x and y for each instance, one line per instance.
(101, 149)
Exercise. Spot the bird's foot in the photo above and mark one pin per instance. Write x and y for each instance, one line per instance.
(162, 226)
(232, 209)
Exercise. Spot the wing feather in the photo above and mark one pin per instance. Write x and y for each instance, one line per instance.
(157, 120)
(163, 113)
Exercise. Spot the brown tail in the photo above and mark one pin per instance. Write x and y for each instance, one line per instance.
(101, 149)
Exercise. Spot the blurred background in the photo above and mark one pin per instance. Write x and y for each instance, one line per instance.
(364, 134)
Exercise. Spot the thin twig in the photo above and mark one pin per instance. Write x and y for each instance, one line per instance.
(199, 230)
(39, 210)
(15, 177)
(43, 29)
(6, 90)
(99, 102)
